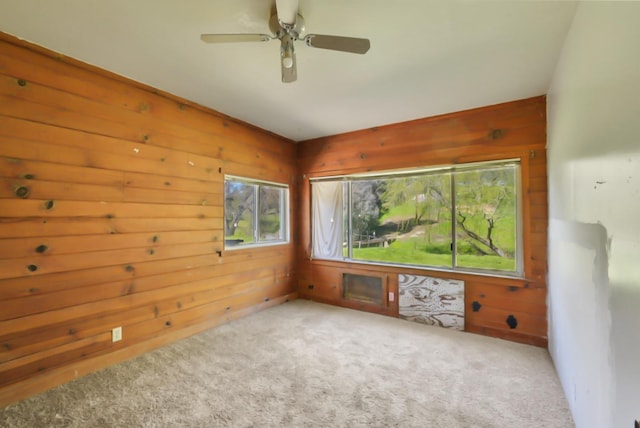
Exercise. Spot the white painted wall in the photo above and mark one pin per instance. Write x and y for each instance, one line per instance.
(594, 215)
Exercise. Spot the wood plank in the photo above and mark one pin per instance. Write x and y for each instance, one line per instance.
(79, 148)
(30, 227)
(30, 305)
(30, 365)
(46, 105)
(44, 247)
(136, 293)
(45, 337)
(36, 285)
(45, 208)
(534, 325)
(39, 265)
(25, 170)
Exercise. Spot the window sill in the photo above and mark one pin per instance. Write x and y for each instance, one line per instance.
(254, 245)
(443, 271)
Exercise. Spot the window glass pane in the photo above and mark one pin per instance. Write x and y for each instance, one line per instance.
(403, 220)
(239, 212)
(270, 213)
(486, 218)
(413, 218)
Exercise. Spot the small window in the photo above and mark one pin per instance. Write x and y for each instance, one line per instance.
(465, 218)
(255, 212)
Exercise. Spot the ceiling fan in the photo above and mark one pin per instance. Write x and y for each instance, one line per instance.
(287, 25)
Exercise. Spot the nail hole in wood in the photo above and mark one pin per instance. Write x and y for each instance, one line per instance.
(129, 268)
(22, 192)
(49, 204)
(155, 238)
(32, 268)
(41, 248)
(512, 322)
(22, 82)
(152, 251)
(266, 299)
(496, 134)
(29, 176)
(168, 323)
(476, 306)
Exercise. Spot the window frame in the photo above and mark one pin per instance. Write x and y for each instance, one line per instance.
(285, 229)
(518, 272)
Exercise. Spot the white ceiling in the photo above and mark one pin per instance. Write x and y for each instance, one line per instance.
(426, 57)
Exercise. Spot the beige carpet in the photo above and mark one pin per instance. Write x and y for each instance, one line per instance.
(303, 364)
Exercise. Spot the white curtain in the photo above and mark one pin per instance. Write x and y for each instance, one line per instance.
(326, 206)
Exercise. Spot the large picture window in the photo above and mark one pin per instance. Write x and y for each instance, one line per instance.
(465, 217)
(255, 212)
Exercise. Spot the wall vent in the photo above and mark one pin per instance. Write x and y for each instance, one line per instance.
(361, 288)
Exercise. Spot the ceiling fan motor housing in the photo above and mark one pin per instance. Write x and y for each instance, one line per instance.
(279, 29)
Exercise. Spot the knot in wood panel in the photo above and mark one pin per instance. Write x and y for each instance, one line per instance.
(22, 192)
(496, 134)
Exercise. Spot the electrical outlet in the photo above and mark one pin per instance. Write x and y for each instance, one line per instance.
(392, 296)
(116, 334)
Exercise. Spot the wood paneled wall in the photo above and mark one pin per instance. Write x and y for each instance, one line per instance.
(111, 205)
(506, 131)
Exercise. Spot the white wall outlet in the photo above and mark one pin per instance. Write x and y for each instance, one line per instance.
(392, 296)
(116, 334)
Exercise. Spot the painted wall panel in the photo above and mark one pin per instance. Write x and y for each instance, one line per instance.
(594, 206)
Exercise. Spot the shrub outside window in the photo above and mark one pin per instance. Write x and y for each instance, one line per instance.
(465, 218)
(255, 212)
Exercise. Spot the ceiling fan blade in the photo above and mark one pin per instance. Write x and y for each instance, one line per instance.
(338, 43)
(287, 11)
(234, 38)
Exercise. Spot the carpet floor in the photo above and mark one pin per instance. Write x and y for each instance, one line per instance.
(304, 364)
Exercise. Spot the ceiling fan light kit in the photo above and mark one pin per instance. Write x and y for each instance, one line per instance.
(287, 25)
